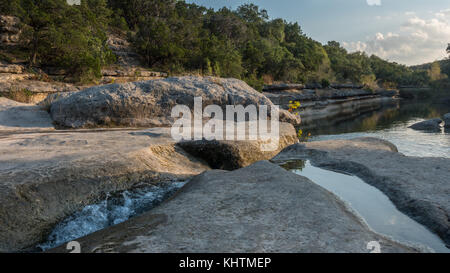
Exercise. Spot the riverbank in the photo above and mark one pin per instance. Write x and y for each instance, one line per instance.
(326, 107)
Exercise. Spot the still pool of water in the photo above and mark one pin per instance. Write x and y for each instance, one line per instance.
(371, 204)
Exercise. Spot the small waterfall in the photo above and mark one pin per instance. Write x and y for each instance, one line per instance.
(115, 209)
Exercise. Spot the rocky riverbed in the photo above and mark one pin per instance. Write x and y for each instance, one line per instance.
(419, 187)
(260, 208)
(48, 174)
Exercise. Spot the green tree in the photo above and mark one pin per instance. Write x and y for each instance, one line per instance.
(70, 37)
(435, 71)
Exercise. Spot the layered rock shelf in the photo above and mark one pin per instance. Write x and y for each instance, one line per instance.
(320, 107)
(16, 82)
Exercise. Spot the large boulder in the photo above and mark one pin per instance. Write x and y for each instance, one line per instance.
(428, 125)
(447, 120)
(231, 155)
(260, 208)
(419, 187)
(148, 104)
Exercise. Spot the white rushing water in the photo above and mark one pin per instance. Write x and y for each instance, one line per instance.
(372, 205)
(112, 211)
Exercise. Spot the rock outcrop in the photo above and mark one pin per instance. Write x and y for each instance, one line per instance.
(260, 208)
(126, 56)
(147, 104)
(20, 85)
(44, 177)
(428, 125)
(419, 187)
(129, 74)
(128, 66)
(231, 155)
(283, 87)
(447, 120)
(9, 30)
(327, 106)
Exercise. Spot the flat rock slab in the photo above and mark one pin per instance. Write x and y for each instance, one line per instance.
(16, 117)
(260, 208)
(45, 177)
(419, 187)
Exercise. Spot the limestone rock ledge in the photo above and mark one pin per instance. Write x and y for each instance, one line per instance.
(260, 208)
(231, 155)
(419, 187)
(47, 176)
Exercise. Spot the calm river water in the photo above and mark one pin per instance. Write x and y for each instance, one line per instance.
(392, 124)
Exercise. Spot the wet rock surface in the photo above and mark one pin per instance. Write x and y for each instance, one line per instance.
(260, 208)
(447, 120)
(428, 125)
(419, 187)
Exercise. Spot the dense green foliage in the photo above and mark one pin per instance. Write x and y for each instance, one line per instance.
(59, 35)
(178, 37)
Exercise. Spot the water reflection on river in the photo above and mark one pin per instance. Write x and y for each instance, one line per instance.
(392, 124)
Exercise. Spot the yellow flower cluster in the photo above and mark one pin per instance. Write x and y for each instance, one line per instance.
(294, 105)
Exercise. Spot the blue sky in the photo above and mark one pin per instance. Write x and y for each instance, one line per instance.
(406, 31)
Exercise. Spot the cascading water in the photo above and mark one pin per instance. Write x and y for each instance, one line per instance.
(115, 209)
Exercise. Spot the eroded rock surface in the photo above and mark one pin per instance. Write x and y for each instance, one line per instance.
(9, 30)
(419, 187)
(48, 176)
(231, 155)
(260, 208)
(145, 104)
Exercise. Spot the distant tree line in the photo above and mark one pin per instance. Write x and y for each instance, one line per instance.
(178, 37)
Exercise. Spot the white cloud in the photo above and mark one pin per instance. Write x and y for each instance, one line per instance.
(416, 41)
(374, 2)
